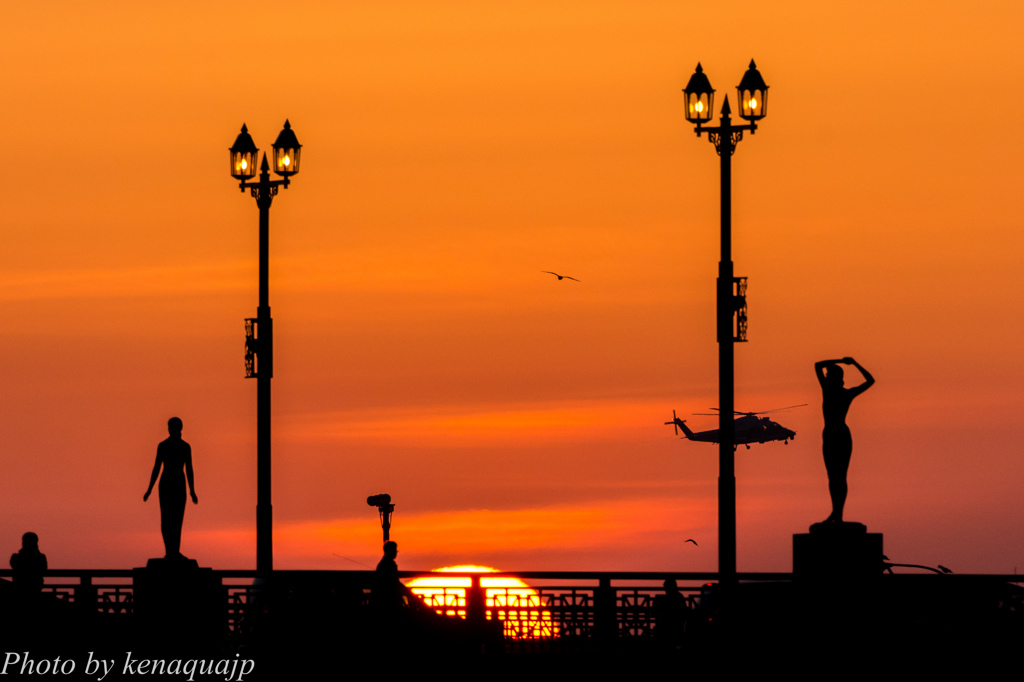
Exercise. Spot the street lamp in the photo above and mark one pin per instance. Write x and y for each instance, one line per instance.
(259, 330)
(731, 291)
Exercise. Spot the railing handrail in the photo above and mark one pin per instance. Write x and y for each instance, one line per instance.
(597, 576)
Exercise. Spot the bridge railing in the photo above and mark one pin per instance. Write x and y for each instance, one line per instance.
(546, 605)
(549, 604)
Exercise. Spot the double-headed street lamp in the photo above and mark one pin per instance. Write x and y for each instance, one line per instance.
(259, 330)
(731, 290)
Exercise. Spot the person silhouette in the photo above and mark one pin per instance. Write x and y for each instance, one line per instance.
(836, 441)
(173, 454)
(396, 609)
(28, 565)
(388, 593)
(670, 611)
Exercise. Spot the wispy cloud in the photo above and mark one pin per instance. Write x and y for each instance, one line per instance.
(467, 424)
(473, 534)
(125, 282)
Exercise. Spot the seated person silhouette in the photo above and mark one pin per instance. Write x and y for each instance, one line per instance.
(174, 455)
(836, 441)
(28, 565)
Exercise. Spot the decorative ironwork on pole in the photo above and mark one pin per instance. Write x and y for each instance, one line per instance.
(739, 304)
(252, 345)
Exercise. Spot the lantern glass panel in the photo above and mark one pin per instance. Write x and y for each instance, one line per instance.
(243, 164)
(749, 104)
(753, 104)
(699, 106)
(286, 160)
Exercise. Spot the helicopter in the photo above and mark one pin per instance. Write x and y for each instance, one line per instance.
(748, 428)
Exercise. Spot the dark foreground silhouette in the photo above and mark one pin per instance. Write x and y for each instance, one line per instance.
(389, 596)
(394, 606)
(836, 441)
(28, 565)
(174, 455)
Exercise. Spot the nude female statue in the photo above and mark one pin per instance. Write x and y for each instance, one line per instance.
(173, 454)
(836, 441)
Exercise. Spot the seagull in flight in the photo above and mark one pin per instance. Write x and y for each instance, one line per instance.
(693, 541)
(560, 277)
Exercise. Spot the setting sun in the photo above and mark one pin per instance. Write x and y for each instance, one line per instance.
(508, 598)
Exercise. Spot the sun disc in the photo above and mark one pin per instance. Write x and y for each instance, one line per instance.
(508, 599)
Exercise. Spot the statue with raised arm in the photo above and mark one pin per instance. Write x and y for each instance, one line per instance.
(175, 456)
(836, 441)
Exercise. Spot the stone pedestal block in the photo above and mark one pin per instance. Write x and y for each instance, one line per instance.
(177, 602)
(837, 550)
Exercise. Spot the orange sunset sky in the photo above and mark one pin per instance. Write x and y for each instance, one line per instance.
(451, 152)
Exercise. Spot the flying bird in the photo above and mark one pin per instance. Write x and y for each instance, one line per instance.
(693, 541)
(560, 277)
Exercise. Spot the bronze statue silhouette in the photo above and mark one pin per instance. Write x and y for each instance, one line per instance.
(836, 441)
(173, 454)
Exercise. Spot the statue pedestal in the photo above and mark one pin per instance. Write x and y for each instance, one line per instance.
(178, 603)
(837, 550)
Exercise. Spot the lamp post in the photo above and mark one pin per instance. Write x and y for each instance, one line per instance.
(259, 330)
(731, 290)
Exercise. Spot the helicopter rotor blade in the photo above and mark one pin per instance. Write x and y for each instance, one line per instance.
(674, 422)
(777, 409)
(780, 409)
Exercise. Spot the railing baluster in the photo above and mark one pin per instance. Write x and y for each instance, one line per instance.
(85, 594)
(605, 622)
(476, 603)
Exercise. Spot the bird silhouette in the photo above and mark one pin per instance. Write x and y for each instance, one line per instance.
(560, 277)
(693, 541)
